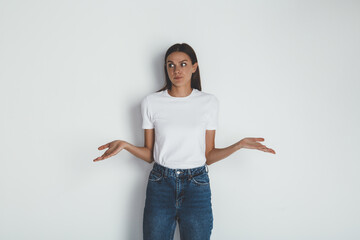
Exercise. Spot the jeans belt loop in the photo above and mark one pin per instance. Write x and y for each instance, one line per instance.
(206, 167)
(189, 174)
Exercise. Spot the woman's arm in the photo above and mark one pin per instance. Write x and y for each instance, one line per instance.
(216, 154)
(145, 153)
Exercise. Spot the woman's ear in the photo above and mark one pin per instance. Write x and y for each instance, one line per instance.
(194, 67)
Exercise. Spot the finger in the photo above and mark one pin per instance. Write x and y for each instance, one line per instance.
(259, 145)
(256, 139)
(97, 159)
(103, 146)
(270, 150)
(263, 148)
(102, 157)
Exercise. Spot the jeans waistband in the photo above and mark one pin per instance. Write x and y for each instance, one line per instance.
(180, 171)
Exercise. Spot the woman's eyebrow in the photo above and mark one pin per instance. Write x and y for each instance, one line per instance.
(180, 61)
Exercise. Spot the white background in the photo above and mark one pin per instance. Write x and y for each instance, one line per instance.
(73, 74)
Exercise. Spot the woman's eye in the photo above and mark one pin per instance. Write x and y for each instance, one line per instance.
(172, 65)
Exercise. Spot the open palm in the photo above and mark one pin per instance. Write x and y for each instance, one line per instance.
(253, 143)
(114, 148)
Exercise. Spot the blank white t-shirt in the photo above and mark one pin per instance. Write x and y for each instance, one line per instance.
(180, 125)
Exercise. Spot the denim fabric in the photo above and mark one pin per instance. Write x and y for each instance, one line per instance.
(181, 195)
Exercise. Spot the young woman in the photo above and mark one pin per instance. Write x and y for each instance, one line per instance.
(179, 123)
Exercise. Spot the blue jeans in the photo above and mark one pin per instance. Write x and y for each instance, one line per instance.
(181, 195)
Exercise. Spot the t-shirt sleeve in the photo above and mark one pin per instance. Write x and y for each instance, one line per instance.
(147, 120)
(213, 114)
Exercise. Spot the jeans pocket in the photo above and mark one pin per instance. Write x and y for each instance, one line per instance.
(201, 179)
(155, 176)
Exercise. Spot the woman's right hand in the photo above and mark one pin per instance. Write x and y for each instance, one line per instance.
(114, 147)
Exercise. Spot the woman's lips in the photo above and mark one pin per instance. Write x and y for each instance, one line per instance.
(177, 77)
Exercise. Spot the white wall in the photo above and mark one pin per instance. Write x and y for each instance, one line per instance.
(72, 77)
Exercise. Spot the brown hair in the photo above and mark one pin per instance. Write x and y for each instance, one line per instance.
(195, 77)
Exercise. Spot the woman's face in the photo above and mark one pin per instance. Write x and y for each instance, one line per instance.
(179, 68)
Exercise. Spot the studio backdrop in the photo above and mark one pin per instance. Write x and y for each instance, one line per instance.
(73, 74)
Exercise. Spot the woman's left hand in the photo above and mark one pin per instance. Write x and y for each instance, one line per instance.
(252, 143)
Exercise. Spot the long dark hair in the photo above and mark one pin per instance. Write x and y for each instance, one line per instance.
(195, 77)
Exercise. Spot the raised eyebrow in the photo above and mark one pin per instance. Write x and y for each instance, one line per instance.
(180, 61)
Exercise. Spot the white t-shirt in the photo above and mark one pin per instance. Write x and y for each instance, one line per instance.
(180, 125)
